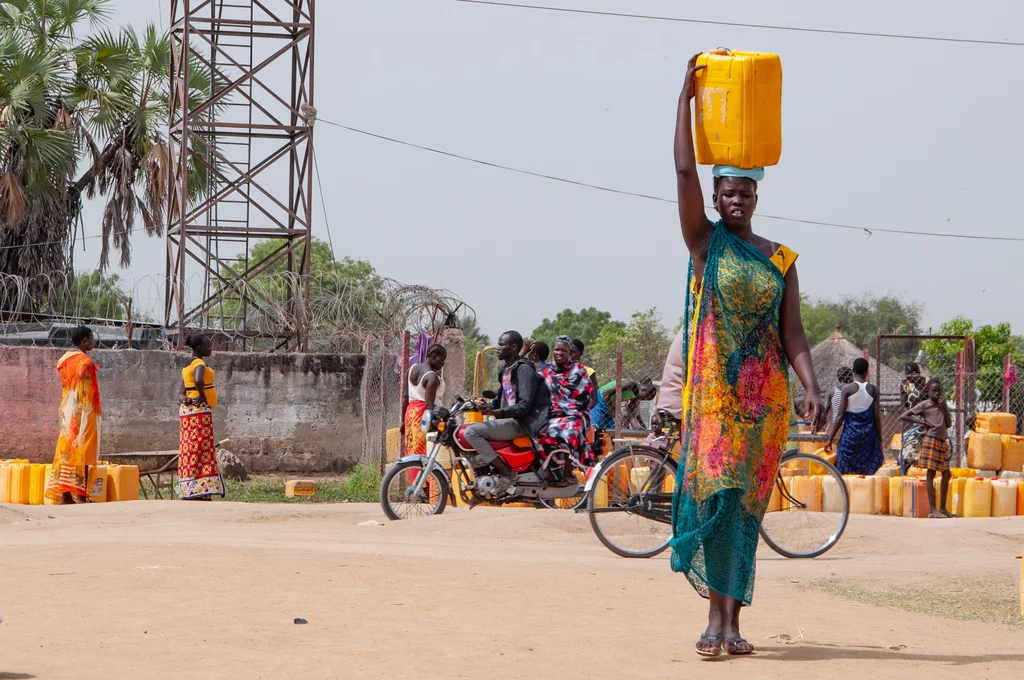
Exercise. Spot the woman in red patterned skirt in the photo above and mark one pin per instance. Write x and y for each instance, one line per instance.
(198, 476)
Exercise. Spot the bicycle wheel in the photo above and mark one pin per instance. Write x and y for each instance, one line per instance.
(630, 503)
(396, 492)
(808, 516)
(571, 502)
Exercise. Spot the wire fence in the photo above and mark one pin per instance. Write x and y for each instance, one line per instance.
(342, 311)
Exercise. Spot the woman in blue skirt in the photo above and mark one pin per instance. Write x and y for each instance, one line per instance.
(860, 446)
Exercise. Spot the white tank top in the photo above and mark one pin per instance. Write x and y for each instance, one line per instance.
(861, 400)
(418, 393)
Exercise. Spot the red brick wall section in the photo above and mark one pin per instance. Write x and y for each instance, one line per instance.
(29, 398)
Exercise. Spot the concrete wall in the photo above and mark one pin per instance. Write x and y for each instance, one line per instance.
(289, 412)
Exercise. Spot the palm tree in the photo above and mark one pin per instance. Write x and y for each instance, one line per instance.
(64, 101)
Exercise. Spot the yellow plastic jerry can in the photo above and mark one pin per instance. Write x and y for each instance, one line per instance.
(862, 494)
(37, 484)
(738, 109)
(20, 483)
(123, 483)
(985, 451)
(806, 490)
(978, 498)
(1004, 497)
(831, 494)
(47, 482)
(5, 482)
(98, 481)
(896, 496)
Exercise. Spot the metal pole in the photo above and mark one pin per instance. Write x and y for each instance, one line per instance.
(961, 410)
(618, 389)
(384, 407)
(1007, 363)
(878, 361)
(405, 391)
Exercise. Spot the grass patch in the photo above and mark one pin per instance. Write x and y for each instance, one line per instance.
(361, 485)
(990, 600)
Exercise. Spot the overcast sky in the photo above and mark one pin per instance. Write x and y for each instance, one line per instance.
(878, 132)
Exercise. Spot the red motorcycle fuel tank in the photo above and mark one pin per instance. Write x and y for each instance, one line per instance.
(517, 453)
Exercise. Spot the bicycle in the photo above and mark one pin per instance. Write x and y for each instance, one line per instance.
(629, 500)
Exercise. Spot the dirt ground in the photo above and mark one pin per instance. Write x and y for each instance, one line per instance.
(168, 589)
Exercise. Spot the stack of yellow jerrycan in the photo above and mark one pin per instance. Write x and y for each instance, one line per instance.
(738, 109)
(25, 483)
(994, 444)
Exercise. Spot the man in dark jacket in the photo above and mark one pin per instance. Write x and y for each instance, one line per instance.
(521, 408)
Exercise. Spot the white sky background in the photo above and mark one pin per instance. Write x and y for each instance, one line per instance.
(877, 132)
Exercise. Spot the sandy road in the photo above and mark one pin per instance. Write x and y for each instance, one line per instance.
(164, 589)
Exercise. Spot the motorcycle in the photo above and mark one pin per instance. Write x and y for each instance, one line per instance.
(417, 486)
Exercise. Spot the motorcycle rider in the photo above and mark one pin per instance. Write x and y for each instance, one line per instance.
(520, 409)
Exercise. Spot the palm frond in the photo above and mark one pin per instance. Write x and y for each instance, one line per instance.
(12, 200)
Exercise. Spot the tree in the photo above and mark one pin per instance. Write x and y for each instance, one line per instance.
(344, 295)
(64, 100)
(322, 264)
(645, 345)
(96, 295)
(586, 325)
(991, 345)
(859, 318)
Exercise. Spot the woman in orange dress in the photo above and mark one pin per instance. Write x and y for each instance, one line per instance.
(198, 475)
(79, 438)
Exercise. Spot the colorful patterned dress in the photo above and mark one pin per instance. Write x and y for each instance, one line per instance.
(198, 474)
(79, 435)
(570, 387)
(736, 413)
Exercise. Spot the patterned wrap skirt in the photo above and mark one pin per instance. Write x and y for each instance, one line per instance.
(415, 439)
(934, 453)
(198, 475)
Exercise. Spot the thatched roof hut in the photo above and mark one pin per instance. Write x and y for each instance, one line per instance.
(834, 352)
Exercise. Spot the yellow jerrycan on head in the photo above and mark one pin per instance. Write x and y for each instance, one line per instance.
(738, 109)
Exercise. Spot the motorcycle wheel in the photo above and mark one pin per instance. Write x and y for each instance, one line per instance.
(398, 482)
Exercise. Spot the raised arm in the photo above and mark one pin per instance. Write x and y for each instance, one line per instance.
(798, 351)
(695, 224)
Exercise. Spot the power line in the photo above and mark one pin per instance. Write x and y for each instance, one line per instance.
(323, 205)
(866, 230)
(708, 22)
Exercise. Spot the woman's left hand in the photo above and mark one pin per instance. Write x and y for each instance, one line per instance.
(814, 411)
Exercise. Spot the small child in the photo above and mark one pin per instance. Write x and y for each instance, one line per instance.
(934, 418)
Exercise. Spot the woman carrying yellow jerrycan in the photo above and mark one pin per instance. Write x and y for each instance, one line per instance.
(742, 331)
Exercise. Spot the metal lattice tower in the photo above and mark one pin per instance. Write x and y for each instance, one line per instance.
(252, 134)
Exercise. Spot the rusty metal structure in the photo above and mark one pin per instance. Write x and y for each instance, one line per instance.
(248, 145)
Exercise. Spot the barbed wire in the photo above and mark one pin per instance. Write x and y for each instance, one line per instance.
(343, 312)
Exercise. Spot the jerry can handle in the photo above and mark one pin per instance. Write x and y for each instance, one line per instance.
(725, 51)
